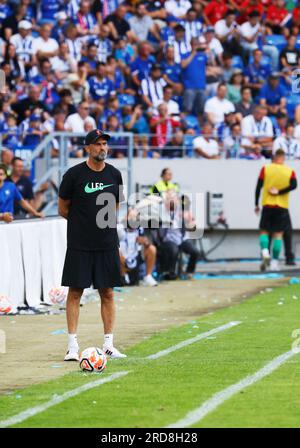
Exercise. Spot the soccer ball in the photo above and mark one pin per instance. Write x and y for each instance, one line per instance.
(5, 305)
(92, 359)
(58, 295)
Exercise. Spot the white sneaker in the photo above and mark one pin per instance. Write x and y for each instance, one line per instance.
(149, 281)
(265, 259)
(113, 352)
(274, 266)
(72, 354)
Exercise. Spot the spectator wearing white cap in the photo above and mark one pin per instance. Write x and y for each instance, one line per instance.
(58, 31)
(23, 43)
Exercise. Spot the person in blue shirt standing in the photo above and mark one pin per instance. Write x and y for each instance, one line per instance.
(10, 193)
(193, 75)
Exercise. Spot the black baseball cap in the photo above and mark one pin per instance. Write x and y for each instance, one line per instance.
(94, 135)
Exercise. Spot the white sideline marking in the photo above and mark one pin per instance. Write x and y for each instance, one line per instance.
(216, 400)
(18, 418)
(192, 340)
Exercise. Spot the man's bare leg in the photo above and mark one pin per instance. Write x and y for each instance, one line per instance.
(72, 308)
(108, 318)
(150, 258)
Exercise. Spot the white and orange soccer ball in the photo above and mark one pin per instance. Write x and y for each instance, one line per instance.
(92, 359)
(5, 305)
(58, 296)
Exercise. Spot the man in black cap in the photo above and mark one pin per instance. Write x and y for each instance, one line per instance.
(89, 195)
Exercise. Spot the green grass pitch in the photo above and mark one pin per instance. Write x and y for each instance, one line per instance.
(159, 392)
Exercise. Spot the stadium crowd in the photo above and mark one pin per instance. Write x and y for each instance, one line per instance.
(188, 78)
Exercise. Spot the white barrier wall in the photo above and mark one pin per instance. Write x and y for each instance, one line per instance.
(31, 261)
(235, 178)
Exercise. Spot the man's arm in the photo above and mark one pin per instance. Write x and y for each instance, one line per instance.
(64, 207)
(291, 187)
(259, 185)
(25, 204)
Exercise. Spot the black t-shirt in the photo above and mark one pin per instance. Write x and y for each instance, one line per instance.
(121, 25)
(291, 56)
(84, 187)
(24, 105)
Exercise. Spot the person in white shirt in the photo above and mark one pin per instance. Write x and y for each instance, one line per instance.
(288, 143)
(64, 63)
(75, 122)
(257, 128)
(177, 8)
(44, 46)
(227, 28)
(217, 106)
(23, 42)
(250, 31)
(227, 31)
(141, 24)
(173, 106)
(206, 146)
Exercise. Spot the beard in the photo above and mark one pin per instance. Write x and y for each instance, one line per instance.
(100, 157)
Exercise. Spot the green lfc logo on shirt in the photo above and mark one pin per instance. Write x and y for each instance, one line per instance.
(95, 186)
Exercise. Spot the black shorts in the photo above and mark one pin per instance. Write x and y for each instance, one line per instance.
(274, 219)
(100, 269)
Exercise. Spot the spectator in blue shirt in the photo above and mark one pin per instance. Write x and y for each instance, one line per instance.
(100, 86)
(91, 58)
(193, 76)
(140, 67)
(273, 95)
(112, 109)
(256, 73)
(48, 10)
(124, 52)
(171, 70)
(10, 132)
(34, 132)
(10, 193)
(85, 21)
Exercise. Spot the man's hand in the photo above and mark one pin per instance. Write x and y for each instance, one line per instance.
(39, 215)
(257, 209)
(273, 191)
(7, 217)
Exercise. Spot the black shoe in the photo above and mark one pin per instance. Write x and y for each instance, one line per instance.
(170, 276)
(290, 263)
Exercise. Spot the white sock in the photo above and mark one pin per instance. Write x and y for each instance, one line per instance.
(108, 340)
(72, 341)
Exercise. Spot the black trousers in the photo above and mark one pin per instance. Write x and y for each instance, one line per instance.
(288, 241)
(170, 252)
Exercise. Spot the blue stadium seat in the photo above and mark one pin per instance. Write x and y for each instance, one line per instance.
(291, 102)
(126, 100)
(277, 40)
(237, 62)
(192, 122)
(298, 42)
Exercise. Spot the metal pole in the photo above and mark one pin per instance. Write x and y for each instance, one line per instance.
(130, 163)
